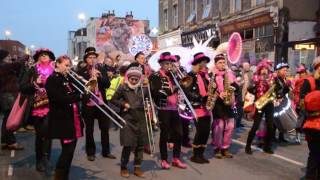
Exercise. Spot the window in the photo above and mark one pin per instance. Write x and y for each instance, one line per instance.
(235, 6)
(206, 8)
(175, 15)
(193, 11)
(14, 48)
(264, 31)
(248, 34)
(165, 19)
(258, 2)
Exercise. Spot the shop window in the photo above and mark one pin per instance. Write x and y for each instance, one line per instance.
(206, 8)
(264, 31)
(175, 15)
(268, 30)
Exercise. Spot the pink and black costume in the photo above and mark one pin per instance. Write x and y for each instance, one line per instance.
(38, 106)
(197, 94)
(65, 123)
(259, 86)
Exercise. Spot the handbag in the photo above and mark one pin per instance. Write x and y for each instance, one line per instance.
(16, 114)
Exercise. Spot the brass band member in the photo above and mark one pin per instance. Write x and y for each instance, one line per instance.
(33, 85)
(197, 94)
(164, 93)
(129, 98)
(90, 112)
(261, 83)
(223, 116)
(64, 118)
(310, 88)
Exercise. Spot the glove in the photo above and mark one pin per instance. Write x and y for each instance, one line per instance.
(85, 97)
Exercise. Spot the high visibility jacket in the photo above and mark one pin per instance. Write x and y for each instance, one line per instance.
(114, 84)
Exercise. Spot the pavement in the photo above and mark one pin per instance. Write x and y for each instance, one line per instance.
(288, 162)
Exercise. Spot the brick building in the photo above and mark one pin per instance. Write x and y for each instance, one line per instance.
(262, 24)
(15, 48)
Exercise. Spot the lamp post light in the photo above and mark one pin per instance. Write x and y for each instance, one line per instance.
(7, 33)
(154, 31)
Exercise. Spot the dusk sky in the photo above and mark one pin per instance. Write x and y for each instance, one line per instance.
(46, 23)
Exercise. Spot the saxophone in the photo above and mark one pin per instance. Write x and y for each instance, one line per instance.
(212, 94)
(228, 89)
(265, 98)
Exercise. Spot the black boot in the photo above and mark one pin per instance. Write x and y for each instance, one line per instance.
(201, 151)
(40, 165)
(196, 156)
(248, 149)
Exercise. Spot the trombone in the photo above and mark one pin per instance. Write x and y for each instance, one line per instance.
(185, 81)
(148, 104)
(76, 77)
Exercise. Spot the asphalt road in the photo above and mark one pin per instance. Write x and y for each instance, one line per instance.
(288, 162)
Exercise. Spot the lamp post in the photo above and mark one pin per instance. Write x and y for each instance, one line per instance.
(82, 18)
(7, 33)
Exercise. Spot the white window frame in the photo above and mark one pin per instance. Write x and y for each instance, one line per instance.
(206, 8)
(165, 19)
(233, 8)
(175, 12)
(193, 11)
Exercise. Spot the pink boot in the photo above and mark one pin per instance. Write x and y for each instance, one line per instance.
(165, 164)
(177, 163)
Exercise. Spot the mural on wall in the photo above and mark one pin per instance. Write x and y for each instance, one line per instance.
(115, 38)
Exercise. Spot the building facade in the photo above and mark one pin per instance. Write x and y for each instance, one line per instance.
(110, 35)
(15, 48)
(269, 28)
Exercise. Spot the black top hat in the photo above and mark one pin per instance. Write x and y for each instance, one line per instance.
(89, 51)
(166, 56)
(219, 57)
(44, 51)
(199, 57)
(3, 54)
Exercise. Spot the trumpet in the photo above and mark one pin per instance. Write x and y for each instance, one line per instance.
(84, 84)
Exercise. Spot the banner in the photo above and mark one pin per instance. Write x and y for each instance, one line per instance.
(116, 37)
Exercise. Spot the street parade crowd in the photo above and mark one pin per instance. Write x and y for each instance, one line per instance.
(61, 101)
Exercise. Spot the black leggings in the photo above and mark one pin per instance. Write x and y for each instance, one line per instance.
(66, 156)
(268, 111)
(170, 131)
(203, 130)
(42, 141)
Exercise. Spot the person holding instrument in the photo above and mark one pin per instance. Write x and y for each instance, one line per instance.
(64, 122)
(129, 98)
(164, 93)
(90, 111)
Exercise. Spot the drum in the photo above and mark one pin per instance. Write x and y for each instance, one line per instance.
(285, 117)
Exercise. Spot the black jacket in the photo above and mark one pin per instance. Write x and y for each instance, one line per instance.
(281, 88)
(193, 93)
(61, 100)
(103, 80)
(159, 89)
(135, 132)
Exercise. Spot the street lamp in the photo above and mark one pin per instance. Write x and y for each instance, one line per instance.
(82, 18)
(7, 33)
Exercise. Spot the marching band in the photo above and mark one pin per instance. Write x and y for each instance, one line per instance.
(63, 101)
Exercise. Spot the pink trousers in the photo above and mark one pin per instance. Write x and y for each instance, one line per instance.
(222, 133)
